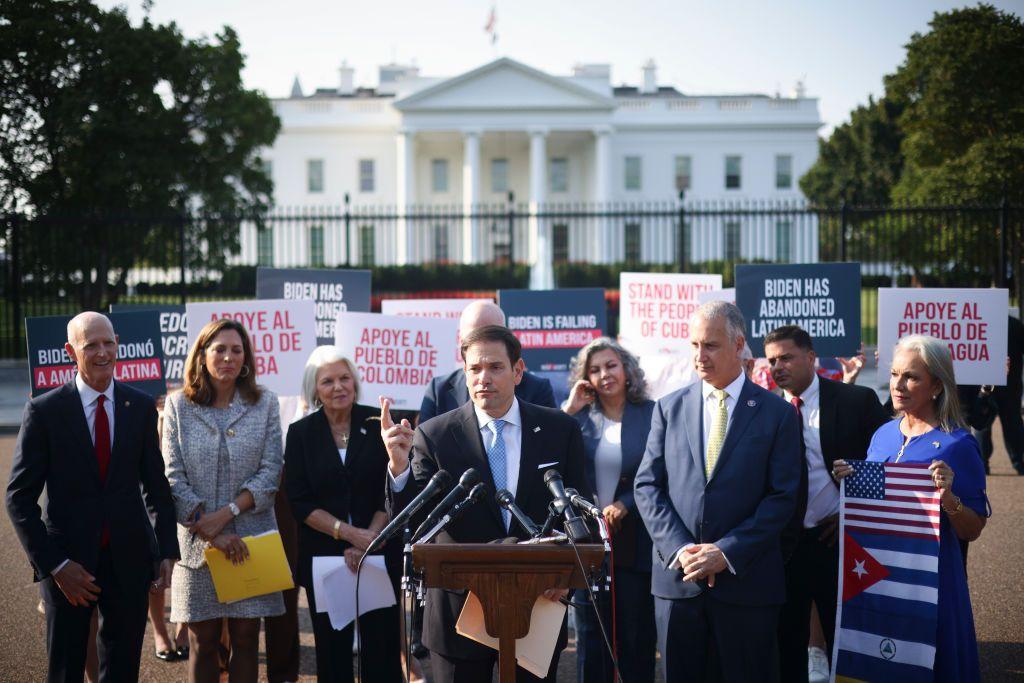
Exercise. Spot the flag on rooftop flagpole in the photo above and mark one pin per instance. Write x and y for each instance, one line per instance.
(490, 27)
(887, 615)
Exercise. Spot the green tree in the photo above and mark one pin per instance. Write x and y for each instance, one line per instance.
(108, 131)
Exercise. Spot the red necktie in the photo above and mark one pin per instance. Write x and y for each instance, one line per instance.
(103, 454)
(797, 402)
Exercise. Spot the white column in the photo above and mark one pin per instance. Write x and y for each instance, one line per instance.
(405, 193)
(470, 195)
(542, 274)
(604, 246)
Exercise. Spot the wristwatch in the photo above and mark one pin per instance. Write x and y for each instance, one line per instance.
(234, 509)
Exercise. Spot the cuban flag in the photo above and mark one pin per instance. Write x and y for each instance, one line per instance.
(889, 580)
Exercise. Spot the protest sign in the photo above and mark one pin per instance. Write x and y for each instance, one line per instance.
(174, 336)
(140, 361)
(822, 298)
(552, 325)
(972, 322)
(448, 309)
(655, 308)
(333, 291)
(282, 332)
(395, 356)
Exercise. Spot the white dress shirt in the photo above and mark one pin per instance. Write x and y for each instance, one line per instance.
(822, 495)
(710, 408)
(89, 398)
(608, 462)
(512, 434)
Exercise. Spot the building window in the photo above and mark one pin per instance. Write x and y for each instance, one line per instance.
(315, 175)
(265, 246)
(733, 169)
(634, 181)
(632, 242)
(784, 241)
(560, 242)
(440, 242)
(316, 246)
(366, 183)
(559, 177)
(682, 173)
(499, 175)
(732, 241)
(367, 251)
(783, 172)
(439, 175)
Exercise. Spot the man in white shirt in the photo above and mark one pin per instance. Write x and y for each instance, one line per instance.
(511, 444)
(92, 443)
(837, 423)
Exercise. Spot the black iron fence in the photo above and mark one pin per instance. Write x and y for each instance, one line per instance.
(60, 264)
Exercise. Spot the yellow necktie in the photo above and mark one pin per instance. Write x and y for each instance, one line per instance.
(717, 435)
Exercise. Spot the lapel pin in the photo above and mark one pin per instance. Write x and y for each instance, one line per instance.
(936, 444)
(362, 430)
(536, 429)
(127, 403)
(751, 403)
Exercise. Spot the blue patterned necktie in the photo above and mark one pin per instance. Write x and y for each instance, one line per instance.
(496, 459)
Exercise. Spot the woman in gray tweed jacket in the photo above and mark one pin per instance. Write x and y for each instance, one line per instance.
(222, 450)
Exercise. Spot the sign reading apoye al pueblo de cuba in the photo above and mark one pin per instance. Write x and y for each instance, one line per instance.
(822, 298)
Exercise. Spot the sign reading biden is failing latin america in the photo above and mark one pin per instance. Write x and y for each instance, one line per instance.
(822, 298)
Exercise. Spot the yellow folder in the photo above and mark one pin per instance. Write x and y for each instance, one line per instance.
(266, 570)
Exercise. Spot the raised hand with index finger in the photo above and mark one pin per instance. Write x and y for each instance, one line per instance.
(397, 438)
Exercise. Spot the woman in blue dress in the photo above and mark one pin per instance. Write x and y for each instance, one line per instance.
(929, 428)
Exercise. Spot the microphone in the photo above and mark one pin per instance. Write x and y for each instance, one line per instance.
(437, 483)
(466, 482)
(575, 527)
(476, 494)
(505, 500)
(583, 504)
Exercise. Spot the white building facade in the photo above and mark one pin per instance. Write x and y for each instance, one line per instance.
(508, 135)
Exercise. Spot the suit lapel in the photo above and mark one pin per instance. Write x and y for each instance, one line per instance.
(457, 388)
(529, 454)
(356, 438)
(693, 415)
(321, 434)
(744, 411)
(466, 433)
(122, 414)
(632, 445)
(827, 420)
(80, 427)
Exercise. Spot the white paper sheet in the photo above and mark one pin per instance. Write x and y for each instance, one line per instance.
(534, 651)
(334, 587)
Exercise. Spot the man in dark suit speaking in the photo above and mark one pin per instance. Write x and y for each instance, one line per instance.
(92, 442)
(450, 391)
(837, 422)
(511, 444)
(716, 487)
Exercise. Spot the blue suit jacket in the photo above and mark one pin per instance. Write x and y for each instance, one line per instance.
(636, 424)
(449, 392)
(743, 508)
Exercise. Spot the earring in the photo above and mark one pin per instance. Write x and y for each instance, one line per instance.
(244, 372)
(935, 397)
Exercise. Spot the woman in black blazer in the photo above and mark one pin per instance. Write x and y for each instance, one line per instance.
(609, 400)
(335, 479)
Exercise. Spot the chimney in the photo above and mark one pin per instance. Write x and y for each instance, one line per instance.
(649, 85)
(296, 88)
(346, 79)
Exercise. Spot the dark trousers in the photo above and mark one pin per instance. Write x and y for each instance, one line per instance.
(1008, 399)
(812, 574)
(743, 636)
(378, 642)
(282, 632)
(451, 670)
(635, 631)
(122, 626)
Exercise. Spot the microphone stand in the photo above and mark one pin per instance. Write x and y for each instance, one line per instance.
(411, 589)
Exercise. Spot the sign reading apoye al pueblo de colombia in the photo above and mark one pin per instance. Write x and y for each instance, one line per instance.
(972, 322)
(333, 290)
(822, 298)
(140, 360)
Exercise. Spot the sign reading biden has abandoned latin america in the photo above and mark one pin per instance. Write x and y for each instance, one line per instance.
(822, 298)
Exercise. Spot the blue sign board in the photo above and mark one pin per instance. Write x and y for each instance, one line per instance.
(333, 290)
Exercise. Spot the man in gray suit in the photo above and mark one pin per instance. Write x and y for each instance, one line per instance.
(716, 487)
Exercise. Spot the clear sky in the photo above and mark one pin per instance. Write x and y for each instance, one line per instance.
(840, 49)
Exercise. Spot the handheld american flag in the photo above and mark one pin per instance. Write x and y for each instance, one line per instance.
(888, 582)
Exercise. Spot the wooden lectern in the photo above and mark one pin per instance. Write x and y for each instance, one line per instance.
(507, 579)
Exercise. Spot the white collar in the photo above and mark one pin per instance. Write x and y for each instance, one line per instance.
(733, 389)
(511, 417)
(89, 395)
(811, 392)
